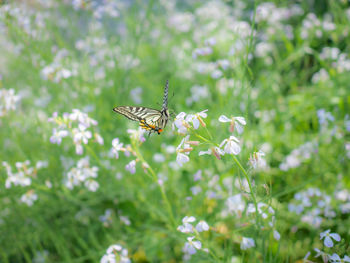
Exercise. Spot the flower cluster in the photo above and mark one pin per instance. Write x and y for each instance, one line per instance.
(192, 245)
(8, 101)
(24, 174)
(184, 123)
(82, 174)
(299, 155)
(137, 137)
(328, 241)
(312, 205)
(313, 27)
(116, 254)
(56, 71)
(23, 177)
(76, 125)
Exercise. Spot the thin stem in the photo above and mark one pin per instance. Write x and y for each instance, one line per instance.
(250, 188)
(155, 179)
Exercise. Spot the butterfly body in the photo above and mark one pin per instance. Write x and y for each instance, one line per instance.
(149, 119)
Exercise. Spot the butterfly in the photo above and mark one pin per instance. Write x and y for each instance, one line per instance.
(149, 119)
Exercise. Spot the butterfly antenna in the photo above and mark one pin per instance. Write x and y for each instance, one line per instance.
(165, 98)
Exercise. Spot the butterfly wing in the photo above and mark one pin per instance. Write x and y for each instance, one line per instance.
(147, 117)
(137, 113)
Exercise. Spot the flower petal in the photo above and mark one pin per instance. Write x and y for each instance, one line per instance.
(328, 242)
(335, 236)
(223, 118)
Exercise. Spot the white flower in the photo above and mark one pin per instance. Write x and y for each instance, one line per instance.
(247, 243)
(29, 198)
(131, 167)
(191, 246)
(108, 258)
(182, 158)
(91, 185)
(180, 123)
(137, 134)
(328, 238)
(235, 203)
(236, 122)
(216, 151)
(8, 101)
(182, 151)
(116, 254)
(202, 226)
(186, 227)
(57, 135)
(82, 118)
(232, 145)
(81, 134)
(196, 119)
(117, 146)
(257, 161)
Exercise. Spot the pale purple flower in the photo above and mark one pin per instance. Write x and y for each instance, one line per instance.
(336, 258)
(247, 243)
(198, 175)
(276, 235)
(191, 246)
(186, 227)
(57, 135)
(231, 145)
(182, 158)
(81, 134)
(202, 226)
(328, 242)
(131, 167)
(79, 149)
(196, 189)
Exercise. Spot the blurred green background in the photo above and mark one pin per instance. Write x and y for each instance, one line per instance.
(284, 66)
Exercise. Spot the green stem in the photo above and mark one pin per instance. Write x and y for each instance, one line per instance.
(250, 188)
(155, 179)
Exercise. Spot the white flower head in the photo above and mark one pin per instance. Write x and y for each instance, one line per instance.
(180, 123)
(247, 243)
(197, 119)
(235, 123)
(116, 147)
(202, 226)
(191, 246)
(216, 151)
(231, 145)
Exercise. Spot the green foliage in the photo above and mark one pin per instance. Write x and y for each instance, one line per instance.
(280, 76)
